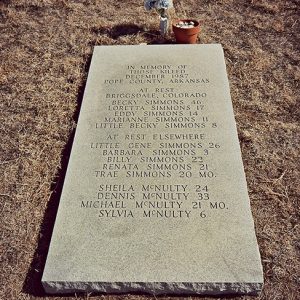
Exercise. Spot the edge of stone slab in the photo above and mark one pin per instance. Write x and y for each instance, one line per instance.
(155, 288)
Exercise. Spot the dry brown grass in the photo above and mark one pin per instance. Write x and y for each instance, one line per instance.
(46, 47)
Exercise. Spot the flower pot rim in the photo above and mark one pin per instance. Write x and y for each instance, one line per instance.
(185, 20)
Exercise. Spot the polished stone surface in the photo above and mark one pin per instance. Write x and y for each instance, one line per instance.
(155, 196)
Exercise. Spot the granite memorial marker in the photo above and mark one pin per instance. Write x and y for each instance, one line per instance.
(155, 196)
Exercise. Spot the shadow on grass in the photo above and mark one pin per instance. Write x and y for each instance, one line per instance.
(32, 284)
(130, 29)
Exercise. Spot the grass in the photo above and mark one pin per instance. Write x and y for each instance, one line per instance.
(46, 48)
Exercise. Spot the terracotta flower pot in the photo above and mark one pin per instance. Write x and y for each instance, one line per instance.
(186, 35)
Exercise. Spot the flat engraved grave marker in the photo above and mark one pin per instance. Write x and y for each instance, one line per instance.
(155, 197)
